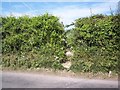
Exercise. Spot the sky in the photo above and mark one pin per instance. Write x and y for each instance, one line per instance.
(66, 11)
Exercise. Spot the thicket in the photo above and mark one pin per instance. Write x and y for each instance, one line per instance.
(35, 42)
(96, 43)
(32, 42)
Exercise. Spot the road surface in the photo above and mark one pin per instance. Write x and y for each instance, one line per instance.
(30, 80)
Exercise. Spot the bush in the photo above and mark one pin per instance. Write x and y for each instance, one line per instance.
(35, 42)
(96, 45)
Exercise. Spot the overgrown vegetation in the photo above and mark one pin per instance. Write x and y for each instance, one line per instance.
(96, 43)
(32, 41)
(35, 42)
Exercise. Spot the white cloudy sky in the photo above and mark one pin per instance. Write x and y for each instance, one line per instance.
(66, 11)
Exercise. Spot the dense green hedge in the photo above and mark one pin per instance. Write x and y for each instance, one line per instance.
(96, 41)
(41, 34)
(25, 33)
(35, 42)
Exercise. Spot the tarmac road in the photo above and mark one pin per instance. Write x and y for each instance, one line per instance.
(30, 80)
